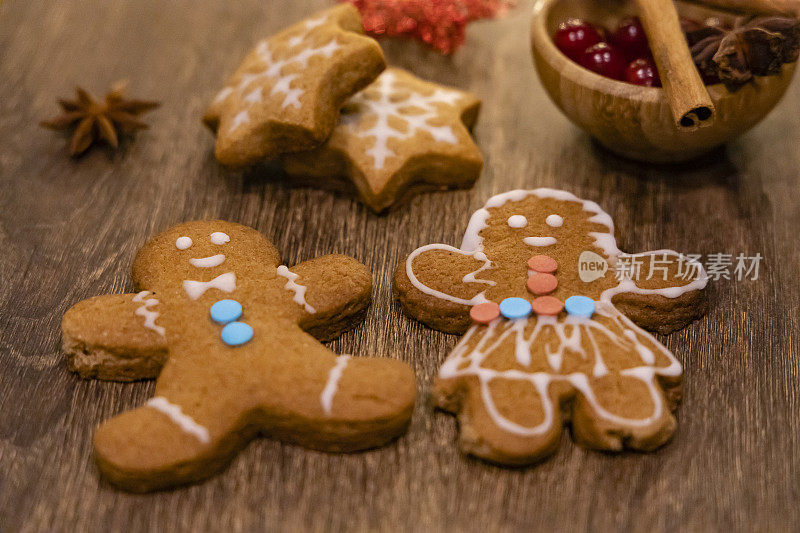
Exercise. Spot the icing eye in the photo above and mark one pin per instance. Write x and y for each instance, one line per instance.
(517, 221)
(220, 238)
(554, 221)
(183, 243)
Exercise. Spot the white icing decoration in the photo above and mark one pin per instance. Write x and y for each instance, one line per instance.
(223, 94)
(242, 117)
(182, 243)
(473, 242)
(554, 221)
(220, 238)
(470, 278)
(480, 256)
(224, 282)
(332, 385)
(271, 78)
(382, 104)
(539, 241)
(629, 285)
(464, 362)
(517, 221)
(207, 262)
(149, 315)
(569, 330)
(175, 414)
(292, 285)
(313, 23)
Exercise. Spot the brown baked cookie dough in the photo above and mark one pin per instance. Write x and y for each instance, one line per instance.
(287, 93)
(398, 136)
(551, 316)
(231, 324)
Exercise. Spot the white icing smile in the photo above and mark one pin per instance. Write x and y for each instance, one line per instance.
(207, 262)
(539, 241)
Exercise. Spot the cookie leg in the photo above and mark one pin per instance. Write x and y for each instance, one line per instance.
(619, 411)
(158, 446)
(504, 421)
(365, 402)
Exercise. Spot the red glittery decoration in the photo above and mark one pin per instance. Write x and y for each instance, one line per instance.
(439, 23)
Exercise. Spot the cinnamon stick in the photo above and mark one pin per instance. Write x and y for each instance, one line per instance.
(767, 7)
(686, 93)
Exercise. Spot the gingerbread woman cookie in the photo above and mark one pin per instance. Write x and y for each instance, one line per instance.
(398, 135)
(287, 93)
(551, 335)
(231, 324)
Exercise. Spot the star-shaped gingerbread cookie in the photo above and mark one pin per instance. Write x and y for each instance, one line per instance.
(399, 134)
(287, 93)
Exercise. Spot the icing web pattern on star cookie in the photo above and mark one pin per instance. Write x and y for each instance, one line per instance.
(272, 81)
(392, 109)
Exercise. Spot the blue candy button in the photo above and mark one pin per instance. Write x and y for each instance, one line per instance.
(580, 306)
(225, 311)
(236, 333)
(515, 308)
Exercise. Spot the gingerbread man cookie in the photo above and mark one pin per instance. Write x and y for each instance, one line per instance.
(398, 134)
(287, 93)
(551, 334)
(231, 324)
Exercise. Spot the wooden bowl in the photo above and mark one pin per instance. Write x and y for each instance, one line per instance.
(635, 121)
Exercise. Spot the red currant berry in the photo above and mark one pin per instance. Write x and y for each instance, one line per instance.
(605, 60)
(630, 39)
(574, 36)
(643, 72)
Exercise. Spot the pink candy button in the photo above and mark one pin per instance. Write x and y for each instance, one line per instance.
(542, 283)
(547, 305)
(543, 263)
(485, 312)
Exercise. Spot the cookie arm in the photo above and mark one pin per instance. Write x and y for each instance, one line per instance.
(665, 292)
(114, 337)
(337, 292)
(437, 284)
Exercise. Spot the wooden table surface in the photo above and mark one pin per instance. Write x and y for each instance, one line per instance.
(69, 230)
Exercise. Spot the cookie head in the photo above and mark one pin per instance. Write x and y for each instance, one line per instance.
(202, 250)
(535, 240)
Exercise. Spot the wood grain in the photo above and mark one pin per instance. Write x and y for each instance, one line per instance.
(69, 230)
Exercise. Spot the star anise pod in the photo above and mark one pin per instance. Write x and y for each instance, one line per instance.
(103, 119)
(757, 46)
